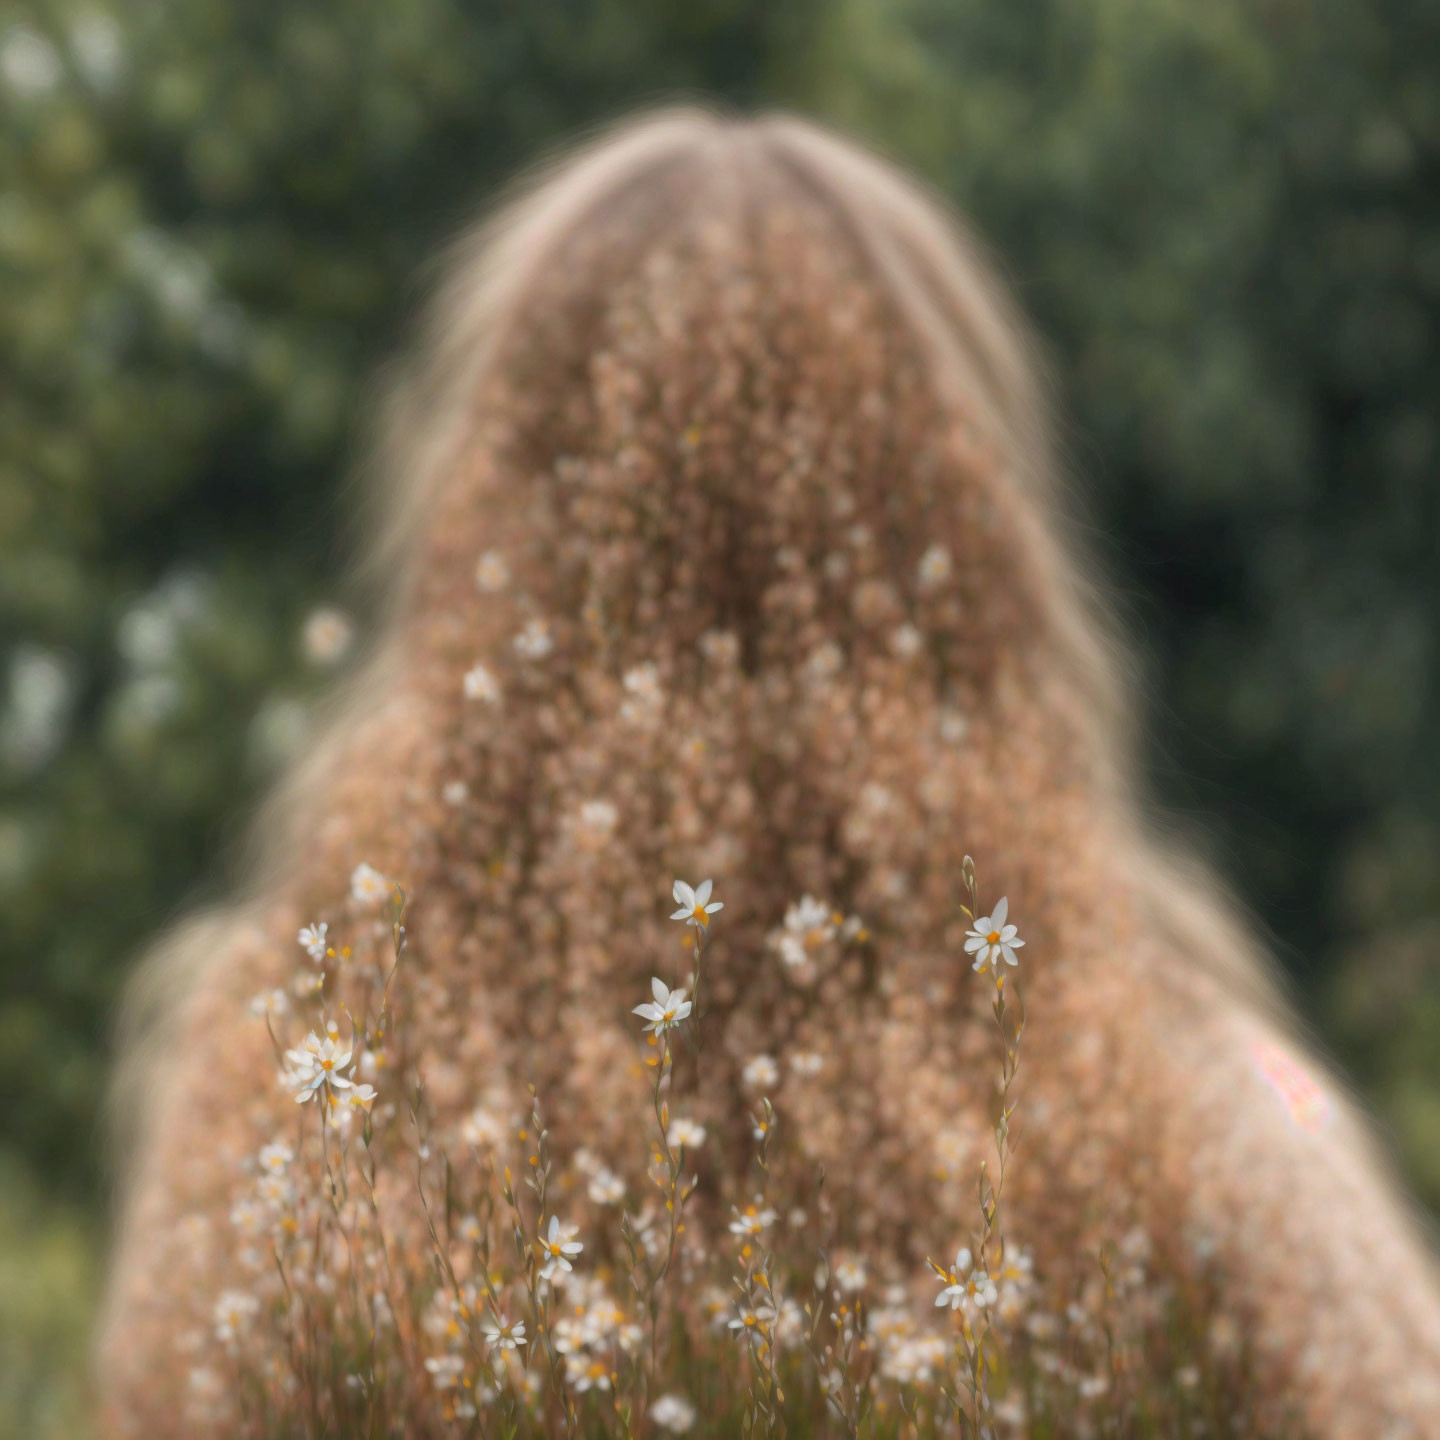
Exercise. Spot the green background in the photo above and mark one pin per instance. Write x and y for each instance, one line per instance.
(215, 215)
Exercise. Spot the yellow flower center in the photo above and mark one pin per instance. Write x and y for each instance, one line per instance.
(700, 916)
(993, 937)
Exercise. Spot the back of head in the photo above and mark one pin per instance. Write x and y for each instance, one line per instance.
(720, 526)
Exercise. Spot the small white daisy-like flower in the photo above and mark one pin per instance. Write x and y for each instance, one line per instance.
(934, 567)
(368, 885)
(455, 792)
(275, 1157)
(760, 1073)
(850, 1275)
(673, 1413)
(964, 1286)
(585, 1372)
(504, 1334)
(597, 821)
(696, 906)
(906, 642)
(642, 685)
(685, 1134)
(480, 684)
(327, 636)
(312, 938)
(307, 983)
(481, 1128)
(557, 1245)
(272, 1002)
(492, 574)
(751, 1221)
(606, 1187)
(318, 1068)
(751, 1318)
(534, 642)
(445, 1370)
(990, 940)
(666, 1010)
(361, 1097)
(807, 1062)
(234, 1311)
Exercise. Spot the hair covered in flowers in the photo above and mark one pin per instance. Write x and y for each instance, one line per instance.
(722, 543)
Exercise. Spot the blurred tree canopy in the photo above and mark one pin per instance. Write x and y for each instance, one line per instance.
(1224, 218)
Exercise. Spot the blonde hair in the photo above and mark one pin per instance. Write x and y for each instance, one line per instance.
(511, 342)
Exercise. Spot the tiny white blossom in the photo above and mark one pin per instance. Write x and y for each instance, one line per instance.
(318, 1068)
(807, 1062)
(368, 885)
(666, 1011)
(963, 1285)
(455, 792)
(760, 1073)
(491, 573)
(990, 939)
(446, 1370)
(673, 1413)
(850, 1275)
(534, 641)
(934, 568)
(685, 1134)
(751, 1221)
(480, 684)
(272, 1002)
(276, 1157)
(312, 938)
(481, 1128)
(695, 904)
(505, 1334)
(906, 642)
(749, 1318)
(557, 1245)
(606, 1187)
(234, 1311)
(585, 1372)
(327, 636)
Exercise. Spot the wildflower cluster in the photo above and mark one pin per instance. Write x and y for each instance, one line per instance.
(600, 1295)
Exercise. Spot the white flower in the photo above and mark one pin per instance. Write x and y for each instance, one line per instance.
(505, 1334)
(760, 1073)
(598, 819)
(850, 1275)
(534, 642)
(307, 983)
(964, 1285)
(446, 1370)
(234, 1311)
(809, 923)
(276, 1157)
(906, 642)
(990, 939)
(318, 1068)
(491, 573)
(807, 1062)
(685, 1134)
(455, 792)
(586, 1373)
(480, 684)
(606, 1187)
(362, 1097)
(557, 1245)
(695, 904)
(368, 885)
(312, 937)
(934, 568)
(672, 1413)
(666, 1011)
(749, 1318)
(272, 1002)
(481, 1128)
(327, 636)
(751, 1221)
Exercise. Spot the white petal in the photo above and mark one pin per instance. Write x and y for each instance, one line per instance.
(974, 943)
(683, 913)
(703, 893)
(684, 895)
(997, 920)
(718, 905)
(659, 990)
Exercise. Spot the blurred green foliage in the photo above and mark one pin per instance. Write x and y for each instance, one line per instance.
(1225, 219)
